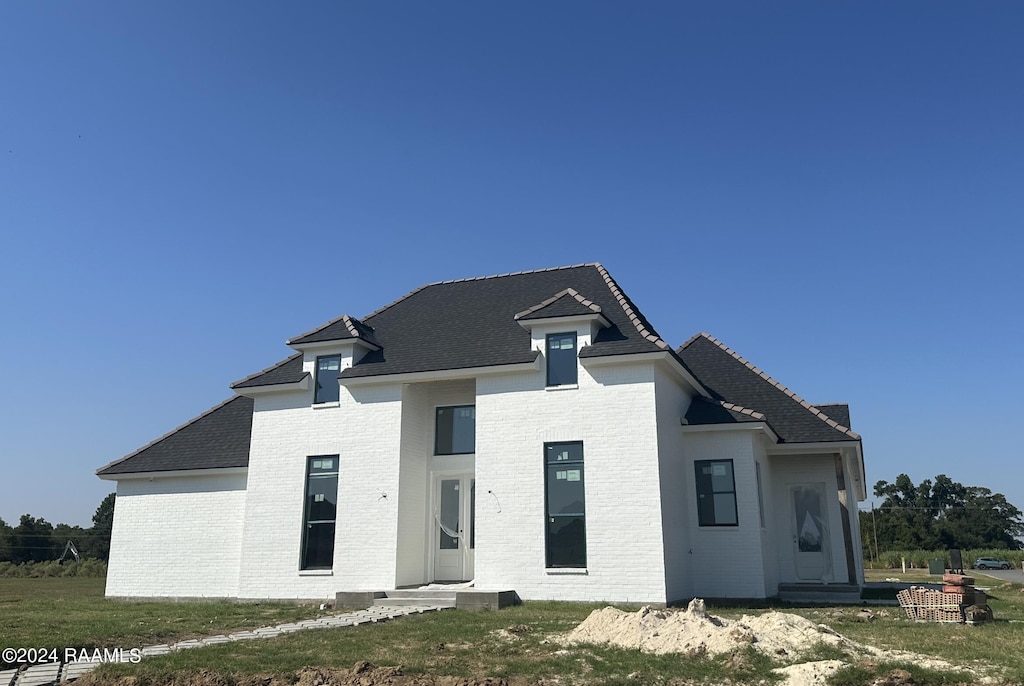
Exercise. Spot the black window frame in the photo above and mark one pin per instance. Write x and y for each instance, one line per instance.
(549, 518)
(308, 523)
(437, 434)
(334, 389)
(562, 359)
(700, 479)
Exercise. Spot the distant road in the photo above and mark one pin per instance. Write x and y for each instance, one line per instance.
(1015, 575)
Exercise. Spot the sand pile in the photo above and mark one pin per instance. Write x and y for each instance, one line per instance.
(695, 632)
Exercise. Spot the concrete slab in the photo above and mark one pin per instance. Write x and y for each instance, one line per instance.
(7, 676)
(485, 600)
(242, 636)
(37, 675)
(73, 670)
(156, 651)
(215, 640)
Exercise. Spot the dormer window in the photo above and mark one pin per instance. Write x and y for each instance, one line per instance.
(327, 388)
(561, 359)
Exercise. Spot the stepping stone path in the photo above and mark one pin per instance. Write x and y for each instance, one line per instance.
(49, 674)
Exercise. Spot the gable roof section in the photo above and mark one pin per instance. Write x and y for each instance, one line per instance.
(286, 371)
(471, 322)
(217, 439)
(567, 303)
(340, 329)
(733, 379)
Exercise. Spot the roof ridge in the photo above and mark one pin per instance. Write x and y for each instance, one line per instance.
(742, 410)
(829, 404)
(170, 433)
(627, 307)
(478, 278)
(810, 408)
(268, 369)
(557, 296)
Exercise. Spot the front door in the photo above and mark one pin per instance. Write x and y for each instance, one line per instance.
(453, 527)
(811, 545)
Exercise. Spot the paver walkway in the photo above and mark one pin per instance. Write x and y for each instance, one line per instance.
(46, 674)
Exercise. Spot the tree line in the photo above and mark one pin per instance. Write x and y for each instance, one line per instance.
(34, 539)
(939, 514)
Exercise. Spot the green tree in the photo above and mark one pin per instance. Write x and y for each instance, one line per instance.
(942, 514)
(5, 542)
(98, 545)
(32, 540)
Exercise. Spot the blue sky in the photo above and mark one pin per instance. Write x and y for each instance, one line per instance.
(832, 189)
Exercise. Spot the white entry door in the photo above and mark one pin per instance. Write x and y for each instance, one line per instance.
(811, 545)
(453, 526)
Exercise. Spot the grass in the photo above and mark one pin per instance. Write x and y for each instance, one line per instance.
(913, 576)
(512, 644)
(72, 613)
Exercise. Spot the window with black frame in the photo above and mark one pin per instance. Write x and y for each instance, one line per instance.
(320, 512)
(455, 430)
(566, 530)
(561, 359)
(327, 388)
(716, 493)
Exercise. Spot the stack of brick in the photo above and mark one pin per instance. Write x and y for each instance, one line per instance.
(958, 601)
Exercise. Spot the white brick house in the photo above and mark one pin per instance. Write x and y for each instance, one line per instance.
(526, 431)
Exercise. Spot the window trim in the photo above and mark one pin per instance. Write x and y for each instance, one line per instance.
(571, 568)
(316, 380)
(437, 434)
(697, 465)
(306, 522)
(547, 361)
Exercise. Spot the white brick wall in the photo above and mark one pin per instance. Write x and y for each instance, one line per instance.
(727, 560)
(613, 413)
(177, 537)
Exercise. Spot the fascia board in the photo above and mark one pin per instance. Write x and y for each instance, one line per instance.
(339, 344)
(739, 426)
(220, 471)
(252, 391)
(528, 324)
(441, 374)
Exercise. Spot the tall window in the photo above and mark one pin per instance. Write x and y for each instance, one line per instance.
(566, 510)
(327, 388)
(320, 512)
(561, 359)
(716, 493)
(455, 430)
(760, 493)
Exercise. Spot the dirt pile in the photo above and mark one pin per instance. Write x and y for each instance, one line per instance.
(695, 632)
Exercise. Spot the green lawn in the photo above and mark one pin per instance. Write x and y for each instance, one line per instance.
(72, 613)
(512, 644)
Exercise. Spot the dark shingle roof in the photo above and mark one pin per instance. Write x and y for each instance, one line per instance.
(285, 371)
(729, 377)
(705, 411)
(471, 323)
(340, 329)
(840, 412)
(567, 303)
(216, 439)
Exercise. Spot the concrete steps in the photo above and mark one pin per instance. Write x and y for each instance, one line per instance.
(838, 594)
(416, 597)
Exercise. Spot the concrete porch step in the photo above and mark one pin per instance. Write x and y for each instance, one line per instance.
(463, 598)
(820, 593)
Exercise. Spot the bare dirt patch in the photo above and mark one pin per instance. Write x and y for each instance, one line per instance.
(361, 674)
(782, 636)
